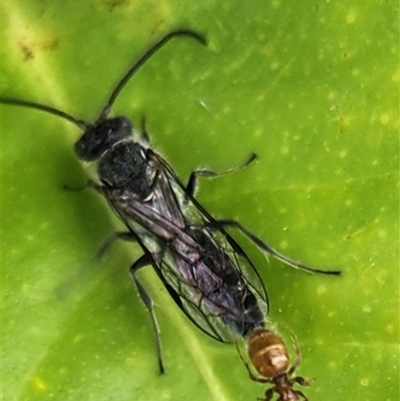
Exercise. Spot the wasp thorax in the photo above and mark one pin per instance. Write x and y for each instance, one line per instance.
(268, 353)
(101, 136)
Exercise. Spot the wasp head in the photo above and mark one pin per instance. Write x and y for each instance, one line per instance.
(101, 136)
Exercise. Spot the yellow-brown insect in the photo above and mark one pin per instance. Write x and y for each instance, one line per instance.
(269, 356)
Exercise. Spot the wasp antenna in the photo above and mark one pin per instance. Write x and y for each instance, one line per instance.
(48, 109)
(142, 60)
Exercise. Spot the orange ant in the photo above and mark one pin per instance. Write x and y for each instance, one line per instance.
(269, 356)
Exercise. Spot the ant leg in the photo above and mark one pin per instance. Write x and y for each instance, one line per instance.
(268, 249)
(143, 261)
(301, 394)
(192, 183)
(302, 381)
(297, 362)
(269, 394)
(251, 374)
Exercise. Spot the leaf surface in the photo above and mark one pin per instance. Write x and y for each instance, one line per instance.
(313, 88)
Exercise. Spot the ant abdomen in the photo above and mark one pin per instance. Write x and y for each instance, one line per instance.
(268, 353)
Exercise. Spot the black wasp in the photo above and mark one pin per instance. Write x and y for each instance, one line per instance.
(202, 267)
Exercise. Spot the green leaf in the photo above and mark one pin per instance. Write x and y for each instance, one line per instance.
(312, 87)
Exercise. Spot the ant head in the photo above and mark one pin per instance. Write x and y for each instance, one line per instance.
(101, 136)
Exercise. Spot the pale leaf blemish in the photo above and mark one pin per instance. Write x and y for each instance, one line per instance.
(44, 226)
(258, 133)
(365, 381)
(284, 151)
(321, 290)
(224, 111)
(384, 118)
(274, 66)
(77, 339)
(283, 244)
(130, 361)
(381, 277)
(39, 384)
(331, 95)
(165, 395)
(382, 234)
(348, 202)
(25, 288)
(351, 16)
(275, 4)
(366, 309)
(343, 153)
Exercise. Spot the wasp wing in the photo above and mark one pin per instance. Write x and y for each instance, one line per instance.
(205, 271)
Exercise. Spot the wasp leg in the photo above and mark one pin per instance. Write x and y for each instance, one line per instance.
(192, 183)
(268, 249)
(144, 136)
(122, 235)
(143, 261)
(89, 184)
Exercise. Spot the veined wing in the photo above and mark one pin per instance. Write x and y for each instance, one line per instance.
(206, 272)
(210, 288)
